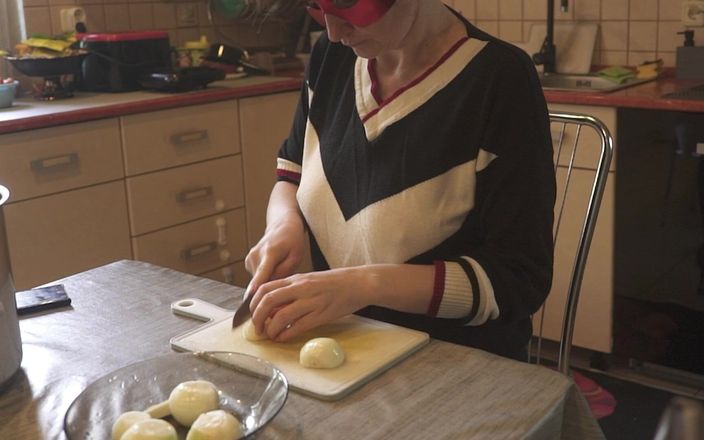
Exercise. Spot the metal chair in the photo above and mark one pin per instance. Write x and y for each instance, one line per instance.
(565, 148)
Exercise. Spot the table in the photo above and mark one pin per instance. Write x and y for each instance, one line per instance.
(121, 314)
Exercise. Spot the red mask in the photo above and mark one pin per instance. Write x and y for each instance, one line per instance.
(360, 14)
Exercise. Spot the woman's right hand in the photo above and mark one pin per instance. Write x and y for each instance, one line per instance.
(279, 252)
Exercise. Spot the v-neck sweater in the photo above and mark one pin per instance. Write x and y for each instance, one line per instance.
(453, 170)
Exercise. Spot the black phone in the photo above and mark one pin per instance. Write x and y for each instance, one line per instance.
(41, 298)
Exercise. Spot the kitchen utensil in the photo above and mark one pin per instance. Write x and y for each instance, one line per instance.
(250, 388)
(180, 79)
(371, 347)
(7, 94)
(222, 53)
(243, 313)
(51, 69)
(10, 340)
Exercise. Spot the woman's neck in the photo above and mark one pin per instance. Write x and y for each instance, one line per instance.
(434, 31)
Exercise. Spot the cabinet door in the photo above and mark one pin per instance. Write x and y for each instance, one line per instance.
(196, 247)
(163, 139)
(265, 122)
(55, 236)
(178, 195)
(39, 162)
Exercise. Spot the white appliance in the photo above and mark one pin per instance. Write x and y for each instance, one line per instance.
(10, 341)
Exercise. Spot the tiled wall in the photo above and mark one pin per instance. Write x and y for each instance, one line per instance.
(43, 16)
(631, 31)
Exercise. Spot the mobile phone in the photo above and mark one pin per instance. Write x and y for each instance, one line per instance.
(41, 298)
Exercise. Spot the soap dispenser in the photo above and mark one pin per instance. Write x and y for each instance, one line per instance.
(690, 58)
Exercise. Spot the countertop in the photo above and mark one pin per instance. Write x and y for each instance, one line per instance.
(442, 391)
(28, 113)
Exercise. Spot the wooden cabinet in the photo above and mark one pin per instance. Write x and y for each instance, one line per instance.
(173, 187)
(67, 211)
(593, 326)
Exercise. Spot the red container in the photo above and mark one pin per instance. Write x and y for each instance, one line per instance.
(115, 61)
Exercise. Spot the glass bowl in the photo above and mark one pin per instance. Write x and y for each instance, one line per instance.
(250, 388)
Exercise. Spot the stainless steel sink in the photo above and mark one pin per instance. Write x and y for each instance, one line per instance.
(584, 83)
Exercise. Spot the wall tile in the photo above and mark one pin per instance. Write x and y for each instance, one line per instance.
(466, 8)
(644, 9)
(34, 3)
(489, 26)
(614, 58)
(511, 31)
(510, 9)
(587, 10)
(670, 10)
(164, 16)
(668, 58)
(62, 2)
(487, 9)
(636, 58)
(95, 15)
(141, 16)
(117, 18)
(613, 35)
(614, 9)
(668, 40)
(38, 20)
(535, 10)
(642, 36)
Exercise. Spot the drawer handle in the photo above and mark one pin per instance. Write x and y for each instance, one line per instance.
(53, 162)
(188, 137)
(189, 195)
(199, 251)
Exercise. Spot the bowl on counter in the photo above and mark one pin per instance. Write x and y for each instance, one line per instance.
(250, 388)
(7, 93)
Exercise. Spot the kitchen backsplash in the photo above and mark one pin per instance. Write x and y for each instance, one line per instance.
(631, 31)
(184, 20)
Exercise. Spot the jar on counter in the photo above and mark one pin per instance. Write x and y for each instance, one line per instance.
(192, 52)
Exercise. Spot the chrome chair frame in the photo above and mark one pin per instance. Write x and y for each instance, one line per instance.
(592, 211)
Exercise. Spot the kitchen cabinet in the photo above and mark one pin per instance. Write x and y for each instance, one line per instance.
(593, 325)
(67, 211)
(185, 188)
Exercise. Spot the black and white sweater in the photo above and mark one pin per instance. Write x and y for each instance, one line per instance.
(454, 170)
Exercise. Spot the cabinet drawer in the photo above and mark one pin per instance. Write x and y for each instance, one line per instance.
(234, 274)
(196, 247)
(174, 137)
(49, 160)
(182, 194)
(53, 237)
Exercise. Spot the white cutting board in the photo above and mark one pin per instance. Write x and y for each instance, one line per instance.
(574, 42)
(370, 347)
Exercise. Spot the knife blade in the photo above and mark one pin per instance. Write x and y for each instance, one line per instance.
(242, 313)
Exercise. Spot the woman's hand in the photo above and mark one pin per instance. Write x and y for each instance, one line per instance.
(278, 253)
(285, 308)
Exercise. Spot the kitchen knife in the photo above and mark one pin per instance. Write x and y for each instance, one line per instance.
(243, 313)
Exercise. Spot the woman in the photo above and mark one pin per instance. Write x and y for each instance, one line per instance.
(420, 164)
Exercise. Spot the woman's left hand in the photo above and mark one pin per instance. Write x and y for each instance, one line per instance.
(283, 309)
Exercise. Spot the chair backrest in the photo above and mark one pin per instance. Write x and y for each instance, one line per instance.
(567, 150)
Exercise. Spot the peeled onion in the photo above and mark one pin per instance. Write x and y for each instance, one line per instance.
(150, 429)
(192, 398)
(215, 425)
(125, 421)
(249, 332)
(321, 353)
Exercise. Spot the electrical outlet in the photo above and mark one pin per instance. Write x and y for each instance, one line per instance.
(186, 14)
(693, 13)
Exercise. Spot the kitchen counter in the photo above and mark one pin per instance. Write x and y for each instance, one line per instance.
(28, 113)
(120, 314)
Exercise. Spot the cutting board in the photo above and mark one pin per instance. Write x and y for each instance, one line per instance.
(371, 347)
(574, 42)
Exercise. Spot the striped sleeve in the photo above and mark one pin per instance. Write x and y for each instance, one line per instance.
(462, 290)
